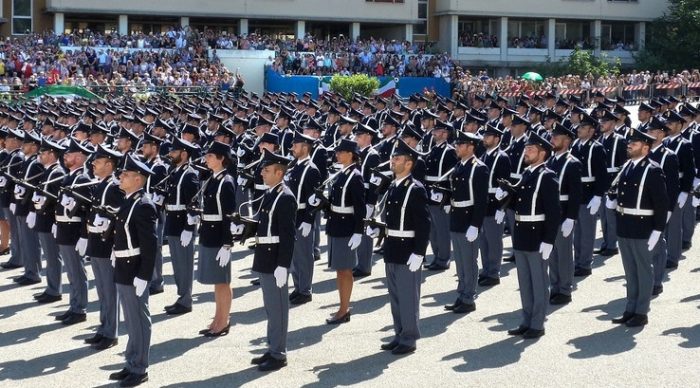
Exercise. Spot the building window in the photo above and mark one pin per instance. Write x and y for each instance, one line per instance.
(21, 17)
(422, 27)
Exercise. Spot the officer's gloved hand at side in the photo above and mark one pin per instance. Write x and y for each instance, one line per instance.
(305, 229)
(546, 250)
(54, 230)
(499, 216)
(610, 203)
(185, 238)
(140, 286)
(414, 262)
(653, 240)
(81, 246)
(224, 255)
(370, 210)
(682, 198)
(355, 241)
(31, 220)
(113, 259)
(594, 205)
(472, 233)
(567, 227)
(280, 276)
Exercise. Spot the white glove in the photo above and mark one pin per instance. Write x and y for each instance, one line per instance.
(185, 238)
(682, 198)
(280, 276)
(545, 250)
(414, 262)
(68, 202)
(500, 193)
(594, 205)
(113, 259)
(140, 285)
(158, 199)
(567, 227)
(653, 239)
(668, 216)
(305, 229)
(472, 233)
(240, 152)
(101, 223)
(447, 208)
(370, 211)
(499, 216)
(372, 232)
(375, 180)
(38, 200)
(314, 201)
(241, 181)
(355, 241)
(192, 220)
(13, 207)
(224, 256)
(236, 230)
(81, 246)
(610, 203)
(3, 181)
(20, 191)
(54, 230)
(695, 201)
(436, 196)
(31, 220)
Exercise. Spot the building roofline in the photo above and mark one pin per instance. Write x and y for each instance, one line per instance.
(529, 15)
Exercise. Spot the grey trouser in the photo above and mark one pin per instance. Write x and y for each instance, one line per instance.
(466, 255)
(636, 261)
(31, 250)
(674, 241)
(15, 252)
(688, 220)
(138, 326)
(182, 259)
(608, 222)
(364, 254)
(404, 294)
(491, 247)
(534, 290)
(107, 294)
(561, 265)
(440, 235)
(54, 264)
(77, 278)
(276, 302)
(157, 278)
(584, 238)
(303, 263)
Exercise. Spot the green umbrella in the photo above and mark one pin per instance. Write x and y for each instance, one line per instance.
(63, 91)
(532, 76)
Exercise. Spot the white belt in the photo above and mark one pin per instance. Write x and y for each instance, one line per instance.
(400, 233)
(342, 209)
(212, 217)
(175, 208)
(128, 252)
(261, 187)
(492, 190)
(93, 229)
(431, 178)
(532, 218)
(613, 169)
(462, 203)
(634, 211)
(267, 240)
(564, 197)
(68, 219)
(516, 176)
(587, 179)
(301, 206)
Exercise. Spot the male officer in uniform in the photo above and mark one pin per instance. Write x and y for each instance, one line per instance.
(273, 256)
(408, 229)
(134, 255)
(369, 159)
(513, 143)
(11, 166)
(641, 202)
(536, 204)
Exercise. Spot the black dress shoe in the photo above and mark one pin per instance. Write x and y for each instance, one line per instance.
(520, 330)
(28, 282)
(121, 375)
(178, 309)
(403, 349)
(134, 379)
(489, 282)
(301, 299)
(338, 320)
(94, 339)
(581, 272)
(510, 259)
(8, 265)
(105, 343)
(598, 251)
(687, 245)
(272, 364)
(293, 294)
(74, 318)
(49, 298)
(454, 305)
(5, 251)
(626, 316)
(39, 296)
(671, 265)
(637, 320)
(657, 290)
(317, 257)
(390, 346)
(533, 333)
(560, 299)
(552, 295)
(438, 267)
(19, 279)
(356, 273)
(464, 308)
(220, 333)
(261, 359)
(155, 291)
(63, 316)
(609, 252)
(255, 282)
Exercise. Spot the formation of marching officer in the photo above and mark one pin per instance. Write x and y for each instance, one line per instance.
(111, 182)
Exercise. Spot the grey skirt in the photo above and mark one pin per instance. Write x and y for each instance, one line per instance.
(208, 270)
(340, 256)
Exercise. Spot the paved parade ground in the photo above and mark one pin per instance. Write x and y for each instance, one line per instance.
(581, 348)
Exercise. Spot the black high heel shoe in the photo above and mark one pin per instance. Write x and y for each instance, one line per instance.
(220, 333)
(338, 320)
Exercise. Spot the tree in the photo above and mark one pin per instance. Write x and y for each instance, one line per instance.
(580, 62)
(347, 86)
(673, 39)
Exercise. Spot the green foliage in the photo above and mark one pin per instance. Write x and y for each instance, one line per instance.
(673, 39)
(580, 62)
(346, 86)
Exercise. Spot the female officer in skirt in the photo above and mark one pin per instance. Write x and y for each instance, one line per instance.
(215, 238)
(345, 223)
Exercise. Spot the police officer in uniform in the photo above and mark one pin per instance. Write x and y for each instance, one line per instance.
(369, 160)
(12, 166)
(151, 148)
(408, 230)
(641, 202)
(133, 258)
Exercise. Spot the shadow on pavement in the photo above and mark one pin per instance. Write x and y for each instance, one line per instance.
(490, 356)
(42, 366)
(352, 372)
(617, 340)
(690, 334)
(505, 321)
(611, 309)
(26, 334)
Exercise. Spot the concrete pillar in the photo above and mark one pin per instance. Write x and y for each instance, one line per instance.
(300, 29)
(355, 30)
(640, 31)
(243, 27)
(503, 38)
(408, 34)
(59, 23)
(597, 32)
(551, 37)
(184, 21)
(123, 25)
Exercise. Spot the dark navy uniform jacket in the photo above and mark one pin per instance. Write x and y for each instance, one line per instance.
(594, 175)
(686, 162)
(47, 216)
(276, 230)
(498, 164)
(12, 165)
(615, 155)
(347, 198)
(183, 185)
(319, 157)
(106, 194)
(31, 171)
(302, 179)
(369, 159)
(515, 151)
(642, 200)
(439, 161)
(386, 148)
(668, 161)
(536, 206)
(69, 230)
(568, 170)
(407, 221)
(135, 240)
(468, 195)
(218, 201)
